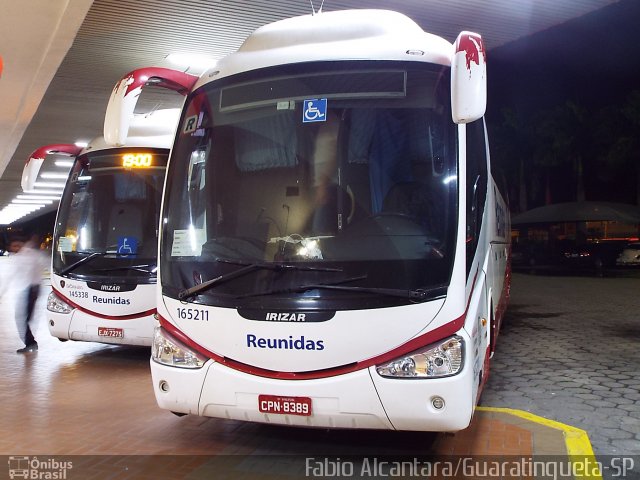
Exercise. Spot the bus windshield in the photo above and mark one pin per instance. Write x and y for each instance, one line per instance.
(107, 225)
(310, 179)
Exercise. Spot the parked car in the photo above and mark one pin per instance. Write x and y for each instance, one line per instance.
(594, 256)
(568, 255)
(630, 255)
(526, 254)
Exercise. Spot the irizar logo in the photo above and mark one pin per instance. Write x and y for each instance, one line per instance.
(110, 288)
(285, 317)
(300, 343)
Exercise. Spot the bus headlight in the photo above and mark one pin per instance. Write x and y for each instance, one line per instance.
(57, 305)
(440, 359)
(169, 351)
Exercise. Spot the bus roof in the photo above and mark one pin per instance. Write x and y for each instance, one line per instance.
(341, 35)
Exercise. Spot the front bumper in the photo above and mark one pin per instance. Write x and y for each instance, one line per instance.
(360, 399)
(81, 326)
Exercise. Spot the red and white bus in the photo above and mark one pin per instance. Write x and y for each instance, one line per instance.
(334, 251)
(104, 261)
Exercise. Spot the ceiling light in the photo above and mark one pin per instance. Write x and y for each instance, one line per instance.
(11, 213)
(64, 163)
(37, 197)
(20, 209)
(31, 202)
(49, 184)
(81, 144)
(12, 207)
(43, 192)
(54, 175)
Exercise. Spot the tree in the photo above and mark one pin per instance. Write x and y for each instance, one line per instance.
(563, 137)
(618, 136)
(511, 149)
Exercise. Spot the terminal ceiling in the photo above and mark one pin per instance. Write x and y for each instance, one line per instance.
(62, 57)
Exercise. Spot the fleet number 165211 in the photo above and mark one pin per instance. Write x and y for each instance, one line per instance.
(197, 314)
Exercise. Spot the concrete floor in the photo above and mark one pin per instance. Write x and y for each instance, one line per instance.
(567, 344)
(570, 351)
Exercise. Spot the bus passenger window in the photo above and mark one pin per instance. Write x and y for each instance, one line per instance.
(476, 185)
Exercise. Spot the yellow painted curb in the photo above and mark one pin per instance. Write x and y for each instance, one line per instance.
(576, 439)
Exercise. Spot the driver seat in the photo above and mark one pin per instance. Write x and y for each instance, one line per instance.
(412, 199)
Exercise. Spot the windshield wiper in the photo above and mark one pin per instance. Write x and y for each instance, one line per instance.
(416, 295)
(93, 255)
(82, 261)
(248, 267)
(137, 268)
(302, 288)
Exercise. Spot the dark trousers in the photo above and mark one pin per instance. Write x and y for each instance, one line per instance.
(31, 296)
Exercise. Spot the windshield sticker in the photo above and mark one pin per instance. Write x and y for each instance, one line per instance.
(127, 245)
(286, 105)
(192, 123)
(187, 243)
(314, 110)
(65, 244)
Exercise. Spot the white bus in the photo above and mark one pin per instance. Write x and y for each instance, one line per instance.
(334, 251)
(104, 261)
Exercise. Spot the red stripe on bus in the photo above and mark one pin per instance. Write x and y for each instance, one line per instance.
(428, 338)
(96, 314)
(423, 340)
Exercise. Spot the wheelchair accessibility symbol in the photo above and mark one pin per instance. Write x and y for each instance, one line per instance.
(127, 245)
(314, 110)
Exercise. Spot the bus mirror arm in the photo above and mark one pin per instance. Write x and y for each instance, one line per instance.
(36, 159)
(126, 93)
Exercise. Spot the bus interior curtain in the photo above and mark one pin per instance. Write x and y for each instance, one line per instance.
(265, 143)
(388, 162)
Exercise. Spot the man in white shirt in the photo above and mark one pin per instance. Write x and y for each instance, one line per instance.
(29, 265)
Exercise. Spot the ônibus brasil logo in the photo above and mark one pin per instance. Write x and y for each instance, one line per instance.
(40, 469)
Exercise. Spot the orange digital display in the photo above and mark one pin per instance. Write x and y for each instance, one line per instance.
(137, 160)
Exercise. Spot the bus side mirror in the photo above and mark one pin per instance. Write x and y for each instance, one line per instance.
(32, 167)
(468, 78)
(126, 92)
